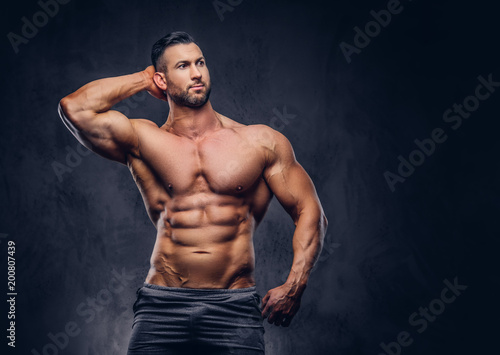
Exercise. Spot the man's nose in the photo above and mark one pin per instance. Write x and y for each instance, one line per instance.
(195, 73)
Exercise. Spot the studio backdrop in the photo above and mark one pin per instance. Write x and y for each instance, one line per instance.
(392, 107)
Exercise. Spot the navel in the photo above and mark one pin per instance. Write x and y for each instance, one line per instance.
(170, 186)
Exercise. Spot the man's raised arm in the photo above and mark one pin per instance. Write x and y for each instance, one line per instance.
(86, 113)
(295, 191)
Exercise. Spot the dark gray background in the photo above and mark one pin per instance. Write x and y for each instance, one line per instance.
(386, 253)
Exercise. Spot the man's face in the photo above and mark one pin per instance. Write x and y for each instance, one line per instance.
(187, 76)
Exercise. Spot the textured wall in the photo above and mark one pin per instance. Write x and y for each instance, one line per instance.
(81, 230)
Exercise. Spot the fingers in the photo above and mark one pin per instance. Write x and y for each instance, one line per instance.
(264, 306)
(280, 319)
(265, 299)
(286, 321)
(275, 317)
(274, 313)
(266, 310)
(279, 311)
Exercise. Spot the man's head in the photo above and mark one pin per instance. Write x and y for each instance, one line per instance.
(181, 70)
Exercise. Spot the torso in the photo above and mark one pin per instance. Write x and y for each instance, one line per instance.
(205, 196)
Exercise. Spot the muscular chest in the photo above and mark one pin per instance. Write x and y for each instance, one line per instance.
(224, 162)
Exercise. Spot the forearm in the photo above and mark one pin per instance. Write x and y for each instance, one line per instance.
(307, 244)
(100, 95)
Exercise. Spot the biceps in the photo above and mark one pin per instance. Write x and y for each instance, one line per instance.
(293, 188)
(109, 134)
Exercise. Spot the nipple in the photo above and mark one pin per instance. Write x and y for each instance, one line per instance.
(239, 188)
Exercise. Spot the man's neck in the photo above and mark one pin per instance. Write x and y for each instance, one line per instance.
(191, 122)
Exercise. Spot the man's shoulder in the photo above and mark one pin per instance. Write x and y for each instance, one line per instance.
(254, 132)
(266, 136)
(260, 133)
(270, 142)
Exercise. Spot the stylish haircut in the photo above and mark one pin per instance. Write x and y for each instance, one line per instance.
(163, 43)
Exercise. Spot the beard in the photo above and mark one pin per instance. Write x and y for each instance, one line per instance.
(183, 97)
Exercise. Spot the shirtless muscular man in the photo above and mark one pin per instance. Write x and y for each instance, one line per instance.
(205, 197)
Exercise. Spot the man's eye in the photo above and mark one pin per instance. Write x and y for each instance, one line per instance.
(182, 66)
(202, 63)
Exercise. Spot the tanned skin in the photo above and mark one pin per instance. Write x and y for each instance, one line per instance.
(206, 180)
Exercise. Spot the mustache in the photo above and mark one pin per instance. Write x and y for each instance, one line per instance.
(200, 82)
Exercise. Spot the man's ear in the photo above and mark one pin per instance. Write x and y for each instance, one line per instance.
(160, 80)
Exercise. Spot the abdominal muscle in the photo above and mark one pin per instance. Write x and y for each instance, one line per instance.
(205, 245)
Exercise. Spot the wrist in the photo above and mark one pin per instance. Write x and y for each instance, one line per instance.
(297, 280)
(146, 79)
(295, 290)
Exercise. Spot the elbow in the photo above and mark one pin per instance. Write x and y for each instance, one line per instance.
(324, 221)
(65, 107)
(70, 111)
(323, 224)
(68, 114)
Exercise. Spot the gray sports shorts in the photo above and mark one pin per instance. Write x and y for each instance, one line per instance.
(172, 321)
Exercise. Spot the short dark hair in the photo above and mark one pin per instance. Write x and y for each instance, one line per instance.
(171, 39)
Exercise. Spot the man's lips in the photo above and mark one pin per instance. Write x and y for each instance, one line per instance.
(197, 86)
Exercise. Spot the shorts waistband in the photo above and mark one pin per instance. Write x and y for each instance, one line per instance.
(201, 291)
